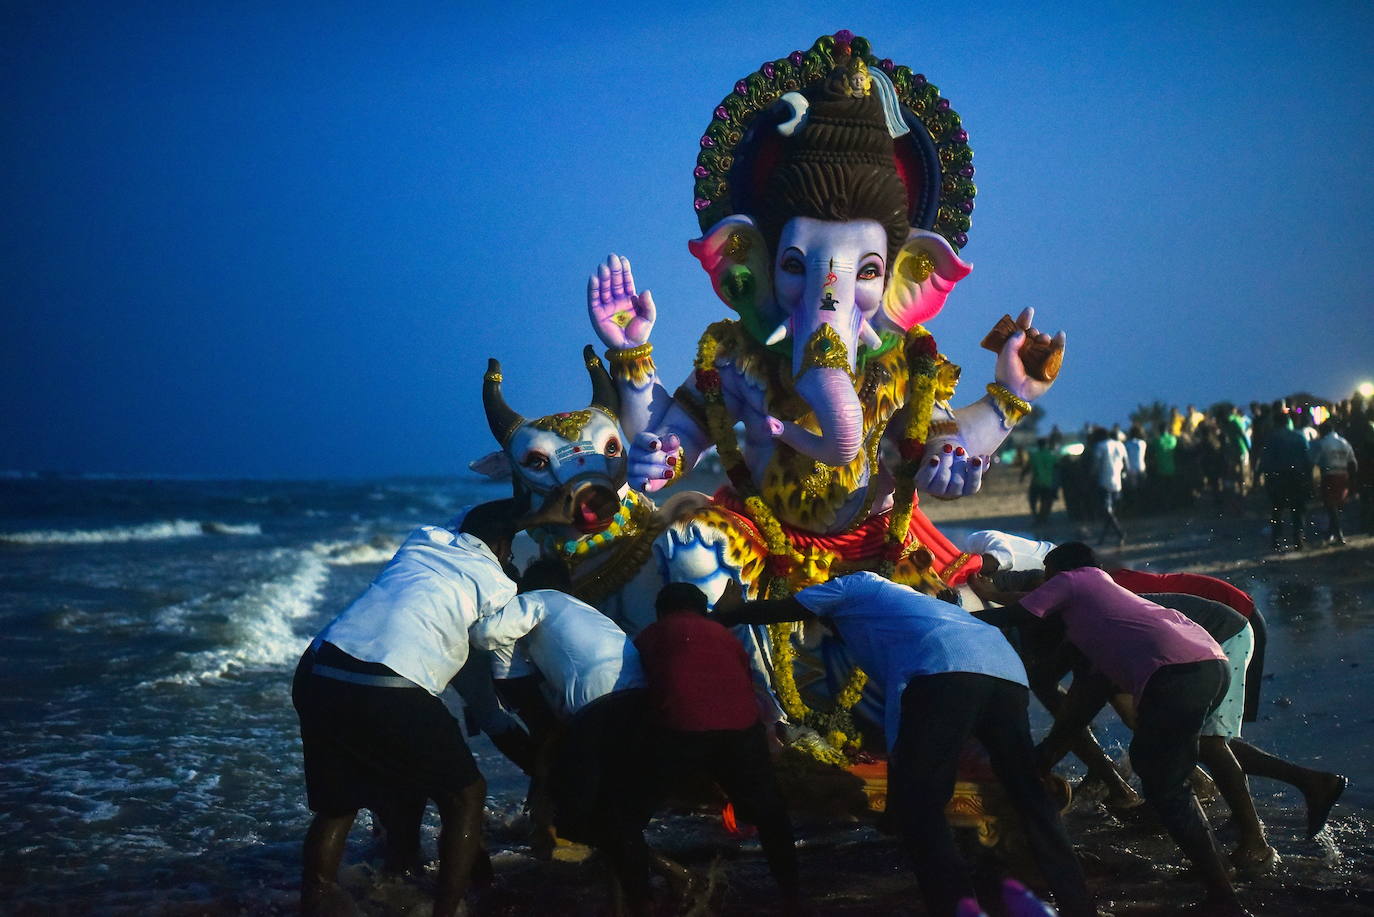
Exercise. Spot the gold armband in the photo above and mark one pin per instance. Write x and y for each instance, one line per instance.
(1011, 407)
(635, 364)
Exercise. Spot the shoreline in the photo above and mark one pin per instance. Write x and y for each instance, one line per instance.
(849, 868)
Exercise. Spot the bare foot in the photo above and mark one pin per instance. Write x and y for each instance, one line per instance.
(1320, 801)
(1254, 861)
(1118, 802)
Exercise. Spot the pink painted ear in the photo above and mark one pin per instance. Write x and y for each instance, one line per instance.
(921, 279)
(734, 254)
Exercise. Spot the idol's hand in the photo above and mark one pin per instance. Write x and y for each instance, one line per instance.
(653, 462)
(948, 471)
(621, 317)
(1011, 372)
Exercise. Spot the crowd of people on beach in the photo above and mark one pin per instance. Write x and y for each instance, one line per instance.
(608, 725)
(1281, 454)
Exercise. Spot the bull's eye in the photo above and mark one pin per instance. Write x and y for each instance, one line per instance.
(536, 461)
(612, 447)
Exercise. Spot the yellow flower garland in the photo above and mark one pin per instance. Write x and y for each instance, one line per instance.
(920, 403)
(721, 428)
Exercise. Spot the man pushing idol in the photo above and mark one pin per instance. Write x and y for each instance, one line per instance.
(367, 691)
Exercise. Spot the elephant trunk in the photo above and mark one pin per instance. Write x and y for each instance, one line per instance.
(839, 413)
(823, 351)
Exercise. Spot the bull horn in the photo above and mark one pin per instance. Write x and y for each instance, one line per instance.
(502, 420)
(604, 395)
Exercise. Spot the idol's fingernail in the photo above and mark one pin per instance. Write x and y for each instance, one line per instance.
(934, 462)
(959, 451)
(977, 463)
(667, 474)
(948, 448)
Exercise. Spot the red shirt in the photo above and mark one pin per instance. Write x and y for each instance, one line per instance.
(1205, 587)
(698, 674)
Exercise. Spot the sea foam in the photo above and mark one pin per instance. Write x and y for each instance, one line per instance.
(259, 632)
(153, 531)
(378, 550)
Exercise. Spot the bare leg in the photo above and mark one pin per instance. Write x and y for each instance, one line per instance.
(1320, 789)
(400, 818)
(1120, 794)
(324, 847)
(460, 839)
(1253, 847)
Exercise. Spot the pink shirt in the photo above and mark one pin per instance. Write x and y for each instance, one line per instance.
(1126, 637)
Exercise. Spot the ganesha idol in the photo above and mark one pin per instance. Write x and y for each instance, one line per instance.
(833, 191)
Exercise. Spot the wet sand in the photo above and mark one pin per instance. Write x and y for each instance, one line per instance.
(1319, 683)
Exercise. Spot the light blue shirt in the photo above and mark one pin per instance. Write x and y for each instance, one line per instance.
(581, 653)
(415, 616)
(896, 633)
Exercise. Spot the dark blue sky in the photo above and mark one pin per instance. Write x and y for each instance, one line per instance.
(282, 239)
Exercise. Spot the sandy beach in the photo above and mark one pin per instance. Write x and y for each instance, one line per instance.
(1320, 607)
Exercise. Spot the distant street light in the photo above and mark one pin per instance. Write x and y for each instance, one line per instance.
(1366, 389)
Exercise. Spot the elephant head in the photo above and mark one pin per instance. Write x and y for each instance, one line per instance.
(572, 462)
(826, 259)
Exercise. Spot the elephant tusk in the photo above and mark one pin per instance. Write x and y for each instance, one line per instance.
(868, 337)
(779, 333)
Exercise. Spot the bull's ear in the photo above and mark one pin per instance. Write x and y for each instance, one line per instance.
(495, 465)
(736, 257)
(925, 271)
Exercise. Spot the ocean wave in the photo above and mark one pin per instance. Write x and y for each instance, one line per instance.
(153, 531)
(259, 632)
(376, 550)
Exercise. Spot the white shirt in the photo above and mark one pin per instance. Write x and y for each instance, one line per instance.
(1012, 551)
(580, 652)
(415, 616)
(1109, 461)
(1332, 452)
(1135, 456)
(896, 633)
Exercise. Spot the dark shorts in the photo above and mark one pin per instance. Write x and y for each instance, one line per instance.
(1335, 489)
(364, 744)
(736, 759)
(600, 782)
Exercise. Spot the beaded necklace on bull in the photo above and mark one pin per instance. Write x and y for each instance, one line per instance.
(713, 202)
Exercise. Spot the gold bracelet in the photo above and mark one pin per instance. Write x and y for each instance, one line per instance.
(627, 355)
(942, 428)
(1012, 407)
(635, 364)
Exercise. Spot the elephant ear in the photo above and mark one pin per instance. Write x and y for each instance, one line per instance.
(734, 254)
(925, 271)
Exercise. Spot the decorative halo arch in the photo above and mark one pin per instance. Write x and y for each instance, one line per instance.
(739, 147)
